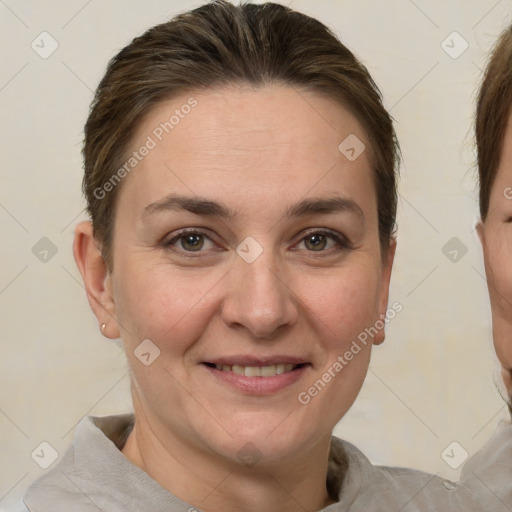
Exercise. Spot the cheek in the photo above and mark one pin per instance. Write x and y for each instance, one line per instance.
(498, 252)
(498, 260)
(344, 310)
(175, 309)
(153, 292)
(159, 303)
(341, 306)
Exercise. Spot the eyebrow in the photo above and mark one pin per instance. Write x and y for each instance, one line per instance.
(206, 207)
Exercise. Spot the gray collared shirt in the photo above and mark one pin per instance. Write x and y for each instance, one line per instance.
(95, 476)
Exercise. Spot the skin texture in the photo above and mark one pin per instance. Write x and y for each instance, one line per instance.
(496, 237)
(258, 151)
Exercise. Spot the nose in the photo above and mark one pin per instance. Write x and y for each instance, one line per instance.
(259, 299)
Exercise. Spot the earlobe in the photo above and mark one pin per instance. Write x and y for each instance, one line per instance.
(387, 266)
(96, 278)
(507, 379)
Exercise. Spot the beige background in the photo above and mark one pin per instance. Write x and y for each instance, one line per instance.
(431, 383)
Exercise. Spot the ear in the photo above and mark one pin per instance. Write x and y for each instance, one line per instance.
(480, 231)
(96, 277)
(387, 266)
(507, 379)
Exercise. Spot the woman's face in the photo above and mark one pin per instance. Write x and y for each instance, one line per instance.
(246, 242)
(496, 236)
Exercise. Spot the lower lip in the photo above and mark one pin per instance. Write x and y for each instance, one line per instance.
(258, 385)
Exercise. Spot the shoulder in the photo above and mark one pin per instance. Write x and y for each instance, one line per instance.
(363, 484)
(65, 486)
(489, 471)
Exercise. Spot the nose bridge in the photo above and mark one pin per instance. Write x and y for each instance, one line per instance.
(258, 297)
(261, 278)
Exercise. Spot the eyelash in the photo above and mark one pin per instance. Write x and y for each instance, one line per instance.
(341, 241)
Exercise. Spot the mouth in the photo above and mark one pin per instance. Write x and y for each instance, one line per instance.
(258, 376)
(269, 370)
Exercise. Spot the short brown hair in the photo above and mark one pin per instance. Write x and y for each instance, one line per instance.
(215, 45)
(492, 112)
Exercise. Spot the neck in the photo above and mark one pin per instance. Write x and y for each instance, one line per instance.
(211, 483)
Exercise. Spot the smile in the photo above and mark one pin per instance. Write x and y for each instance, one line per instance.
(253, 377)
(258, 371)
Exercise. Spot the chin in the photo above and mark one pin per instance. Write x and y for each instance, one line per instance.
(267, 438)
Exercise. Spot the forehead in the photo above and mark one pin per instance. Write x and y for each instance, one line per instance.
(253, 142)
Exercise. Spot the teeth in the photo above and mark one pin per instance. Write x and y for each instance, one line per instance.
(257, 371)
(240, 370)
(268, 371)
(280, 368)
(252, 371)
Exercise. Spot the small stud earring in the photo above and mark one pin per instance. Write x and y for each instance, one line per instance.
(103, 326)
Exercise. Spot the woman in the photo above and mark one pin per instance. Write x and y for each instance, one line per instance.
(240, 173)
(494, 144)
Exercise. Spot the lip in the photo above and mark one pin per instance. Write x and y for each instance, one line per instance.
(244, 360)
(257, 385)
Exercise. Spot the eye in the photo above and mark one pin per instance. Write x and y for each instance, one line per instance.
(190, 240)
(323, 241)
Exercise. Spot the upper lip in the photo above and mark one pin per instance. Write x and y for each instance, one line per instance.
(245, 360)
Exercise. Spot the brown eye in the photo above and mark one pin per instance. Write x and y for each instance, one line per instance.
(324, 241)
(315, 242)
(192, 242)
